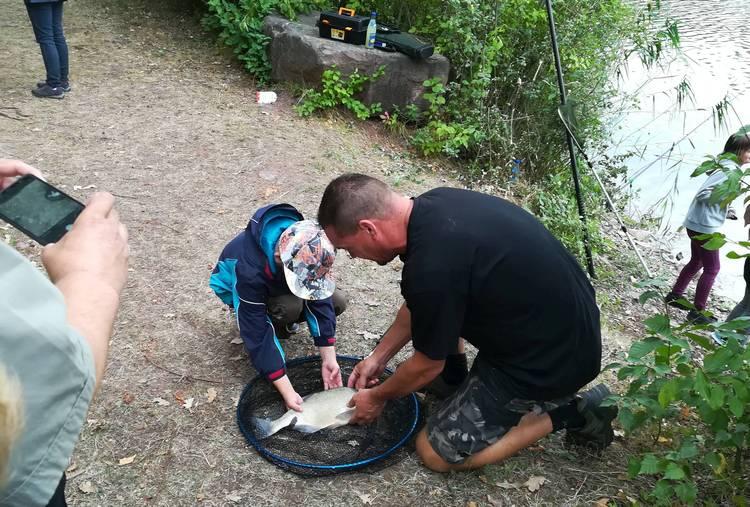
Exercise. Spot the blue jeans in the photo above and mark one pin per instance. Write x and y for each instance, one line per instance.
(47, 20)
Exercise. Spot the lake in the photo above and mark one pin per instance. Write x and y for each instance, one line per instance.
(670, 141)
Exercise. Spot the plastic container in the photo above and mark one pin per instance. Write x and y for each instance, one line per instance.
(372, 31)
(265, 97)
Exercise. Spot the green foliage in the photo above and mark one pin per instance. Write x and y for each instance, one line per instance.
(693, 396)
(553, 201)
(337, 91)
(240, 22)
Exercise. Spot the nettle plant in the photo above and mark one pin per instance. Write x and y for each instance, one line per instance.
(337, 90)
(689, 393)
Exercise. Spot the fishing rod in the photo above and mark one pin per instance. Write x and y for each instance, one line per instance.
(573, 163)
(611, 205)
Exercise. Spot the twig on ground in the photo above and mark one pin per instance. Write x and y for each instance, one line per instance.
(183, 375)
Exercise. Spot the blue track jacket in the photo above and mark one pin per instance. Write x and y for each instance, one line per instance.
(246, 276)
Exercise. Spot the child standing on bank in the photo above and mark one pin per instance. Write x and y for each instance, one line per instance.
(705, 218)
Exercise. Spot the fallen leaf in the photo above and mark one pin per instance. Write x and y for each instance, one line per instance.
(71, 468)
(602, 502)
(188, 403)
(233, 497)
(86, 487)
(200, 497)
(496, 502)
(179, 396)
(368, 335)
(664, 440)
(236, 341)
(87, 187)
(236, 358)
(128, 398)
(372, 303)
(685, 412)
(211, 394)
(128, 460)
(619, 433)
(169, 315)
(366, 499)
(160, 401)
(483, 478)
(471, 504)
(508, 485)
(535, 482)
(269, 192)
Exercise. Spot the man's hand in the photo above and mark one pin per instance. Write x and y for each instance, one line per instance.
(10, 170)
(367, 407)
(365, 373)
(95, 249)
(330, 370)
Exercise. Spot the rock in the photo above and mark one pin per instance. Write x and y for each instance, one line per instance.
(299, 55)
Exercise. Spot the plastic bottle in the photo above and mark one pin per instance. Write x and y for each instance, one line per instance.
(265, 97)
(372, 30)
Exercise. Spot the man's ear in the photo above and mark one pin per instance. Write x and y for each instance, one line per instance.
(368, 227)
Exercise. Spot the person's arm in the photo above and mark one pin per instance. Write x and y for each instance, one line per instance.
(10, 170)
(369, 369)
(89, 266)
(260, 341)
(321, 320)
(413, 373)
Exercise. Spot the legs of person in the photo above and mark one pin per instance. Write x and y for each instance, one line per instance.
(58, 498)
(691, 268)
(531, 428)
(40, 15)
(711, 265)
(284, 311)
(742, 309)
(61, 44)
(340, 302)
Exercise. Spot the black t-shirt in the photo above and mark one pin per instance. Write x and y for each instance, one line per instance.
(481, 268)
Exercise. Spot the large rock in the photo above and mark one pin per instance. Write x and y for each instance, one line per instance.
(299, 55)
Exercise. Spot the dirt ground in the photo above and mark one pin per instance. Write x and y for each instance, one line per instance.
(164, 119)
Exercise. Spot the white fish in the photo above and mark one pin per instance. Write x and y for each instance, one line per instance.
(321, 410)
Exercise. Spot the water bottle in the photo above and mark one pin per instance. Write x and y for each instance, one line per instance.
(372, 30)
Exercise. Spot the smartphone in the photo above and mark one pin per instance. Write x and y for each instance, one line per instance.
(39, 210)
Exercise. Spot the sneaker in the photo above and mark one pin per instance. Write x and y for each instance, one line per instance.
(65, 85)
(48, 92)
(597, 432)
(673, 300)
(718, 340)
(696, 317)
(287, 331)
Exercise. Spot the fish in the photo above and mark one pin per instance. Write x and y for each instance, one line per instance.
(321, 410)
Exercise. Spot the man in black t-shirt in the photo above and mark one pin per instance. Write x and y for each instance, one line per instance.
(480, 268)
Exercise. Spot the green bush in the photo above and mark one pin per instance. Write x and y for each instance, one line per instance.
(337, 91)
(239, 24)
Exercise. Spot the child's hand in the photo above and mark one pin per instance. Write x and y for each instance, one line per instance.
(293, 401)
(329, 370)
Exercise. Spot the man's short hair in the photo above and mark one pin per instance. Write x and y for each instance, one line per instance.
(350, 198)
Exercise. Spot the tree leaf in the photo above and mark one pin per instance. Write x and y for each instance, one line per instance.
(674, 472)
(644, 347)
(658, 323)
(668, 392)
(687, 492)
(535, 482)
(701, 384)
(736, 406)
(127, 461)
(650, 465)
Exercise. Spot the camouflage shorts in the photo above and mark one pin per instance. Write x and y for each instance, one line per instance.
(476, 416)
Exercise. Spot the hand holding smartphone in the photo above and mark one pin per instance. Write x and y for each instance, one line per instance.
(39, 210)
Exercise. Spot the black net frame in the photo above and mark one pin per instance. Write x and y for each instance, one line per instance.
(327, 452)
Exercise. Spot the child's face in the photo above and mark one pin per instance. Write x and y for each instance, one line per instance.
(744, 157)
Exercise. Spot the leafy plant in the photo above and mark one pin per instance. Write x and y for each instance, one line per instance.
(240, 25)
(692, 393)
(340, 91)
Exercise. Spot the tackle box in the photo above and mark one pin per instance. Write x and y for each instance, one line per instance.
(344, 26)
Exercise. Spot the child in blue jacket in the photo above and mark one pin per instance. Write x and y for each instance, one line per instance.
(273, 274)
